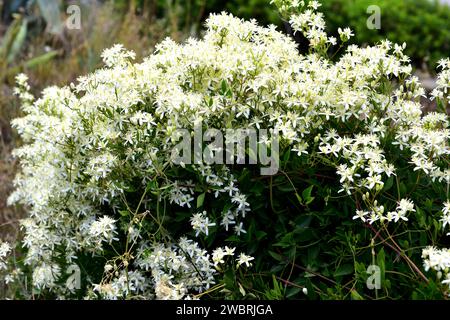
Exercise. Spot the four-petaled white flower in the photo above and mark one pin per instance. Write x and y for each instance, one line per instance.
(244, 259)
(200, 223)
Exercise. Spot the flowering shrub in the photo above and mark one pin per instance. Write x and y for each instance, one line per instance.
(103, 193)
(422, 24)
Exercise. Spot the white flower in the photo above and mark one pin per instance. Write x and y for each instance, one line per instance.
(406, 205)
(397, 215)
(218, 256)
(200, 223)
(373, 217)
(45, 275)
(240, 200)
(446, 209)
(445, 214)
(445, 220)
(21, 79)
(5, 249)
(229, 251)
(360, 214)
(239, 229)
(374, 181)
(104, 229)
(244, 259)
(181, 195)
(98, 145)
(438, 260)
(108, 267)
(227, 220)
(314, 4)
(447, 280)
(345, 34)
(117, 55)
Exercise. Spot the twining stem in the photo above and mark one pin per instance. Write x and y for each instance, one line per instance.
(217, 287)
(399, 251)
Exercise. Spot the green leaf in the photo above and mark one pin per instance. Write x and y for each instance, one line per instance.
(286, 156)
(152, 185)
(276, 256)
(292, 292)
(223, 87)
(300, 200)
(42, 59)
(241, 290)
(302, 222)
(260, 234)
(18, 42)
(8, 38)
(229, 279)
(306, 195)
(307, 192)
(257, 188)
(285, 188)
(286, 241)
(403, 189)
(389, 183)
(440, 106)
(182, 216)
(381, 263)
(343, 270)
(124, 213)
(355, 295)
(200, 200)
(421, 217)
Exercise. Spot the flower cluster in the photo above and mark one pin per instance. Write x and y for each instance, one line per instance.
(177, 269)
(46, 276)
(102, 230)
(219, 255)
(122, 284)
(364, 161)
(200, 223)
(377, 212)
(442, 91)
(446, 215)
(96, 164)
(438, 260)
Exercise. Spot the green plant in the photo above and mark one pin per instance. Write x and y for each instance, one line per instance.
(422, 24)
(50, 59)
(360, 177)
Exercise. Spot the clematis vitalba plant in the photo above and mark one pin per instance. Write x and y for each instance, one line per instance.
(363, 176)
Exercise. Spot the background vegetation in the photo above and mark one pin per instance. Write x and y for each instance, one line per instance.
(32, 42)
